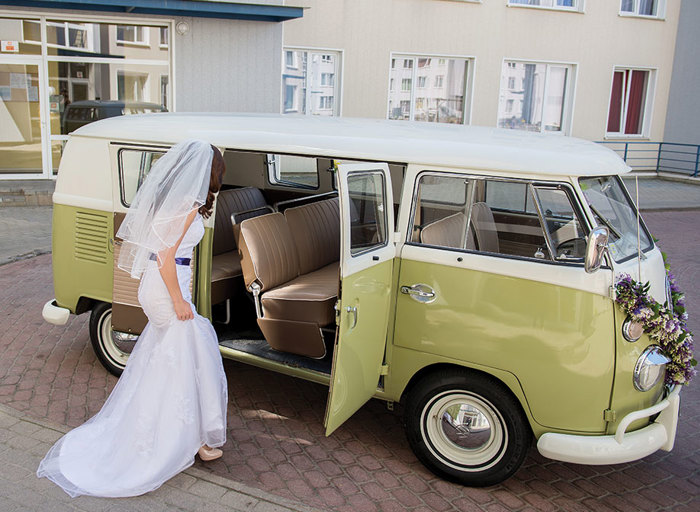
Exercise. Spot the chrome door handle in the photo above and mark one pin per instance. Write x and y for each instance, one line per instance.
(353, 310)
(420, 292)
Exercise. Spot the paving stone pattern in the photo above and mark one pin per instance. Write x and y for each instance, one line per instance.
(25, 232)
(24, 441)
(275, 436)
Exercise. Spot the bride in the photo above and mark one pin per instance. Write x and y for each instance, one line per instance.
(170, 402)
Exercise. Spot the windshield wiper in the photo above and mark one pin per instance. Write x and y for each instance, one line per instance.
(605, 221)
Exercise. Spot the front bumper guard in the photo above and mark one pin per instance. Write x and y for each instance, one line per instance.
(622, 446)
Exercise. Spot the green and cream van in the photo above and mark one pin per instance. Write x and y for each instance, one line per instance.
(467, 273)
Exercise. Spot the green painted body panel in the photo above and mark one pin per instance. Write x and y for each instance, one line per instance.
(203, 283)
(558, 342)
(82, 255)
(359, 349)
(625, 398)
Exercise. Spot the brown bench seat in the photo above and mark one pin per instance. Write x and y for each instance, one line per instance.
(226, 262)
(290, 261)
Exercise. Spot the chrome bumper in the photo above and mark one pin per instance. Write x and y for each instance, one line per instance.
(54, 314)
(620, 447)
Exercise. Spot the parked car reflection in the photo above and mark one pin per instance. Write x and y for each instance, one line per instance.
(80, 113)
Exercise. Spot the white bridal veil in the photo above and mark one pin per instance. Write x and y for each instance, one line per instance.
(177, 184)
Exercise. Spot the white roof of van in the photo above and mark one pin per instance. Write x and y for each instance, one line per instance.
(443, 145)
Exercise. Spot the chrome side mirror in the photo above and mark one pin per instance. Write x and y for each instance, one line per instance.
(595, 248)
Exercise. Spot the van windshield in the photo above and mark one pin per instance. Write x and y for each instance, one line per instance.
(612, 208)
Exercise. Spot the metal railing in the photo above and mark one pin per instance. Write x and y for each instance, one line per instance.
(658, 156)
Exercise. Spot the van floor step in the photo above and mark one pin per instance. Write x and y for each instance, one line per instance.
(262, 349)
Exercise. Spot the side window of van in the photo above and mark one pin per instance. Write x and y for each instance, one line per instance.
(497, 216)
(134, 166)
(292, 171)
(367, 212)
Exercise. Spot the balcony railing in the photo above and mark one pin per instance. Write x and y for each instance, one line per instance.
(659, 156)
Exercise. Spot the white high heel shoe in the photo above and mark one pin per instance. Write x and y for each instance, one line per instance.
(206, 454)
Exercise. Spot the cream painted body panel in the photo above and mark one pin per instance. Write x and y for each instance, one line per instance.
(85, 177)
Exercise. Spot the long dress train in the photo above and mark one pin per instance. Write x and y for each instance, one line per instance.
(170, 400)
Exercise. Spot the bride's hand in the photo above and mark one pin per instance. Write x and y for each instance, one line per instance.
(183, 310)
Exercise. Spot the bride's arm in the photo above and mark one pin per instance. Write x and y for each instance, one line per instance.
(169, 274)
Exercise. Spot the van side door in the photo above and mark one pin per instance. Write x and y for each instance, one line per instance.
(366, 262)
(500, 262)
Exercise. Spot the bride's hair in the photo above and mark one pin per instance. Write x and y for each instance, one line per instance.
(217, 175)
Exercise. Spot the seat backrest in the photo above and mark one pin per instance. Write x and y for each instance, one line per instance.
(485, 228)
(448, 232)
(315, 229)
(233, 201)
(268, 253)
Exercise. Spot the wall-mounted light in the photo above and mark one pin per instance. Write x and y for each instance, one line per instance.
(182, 28)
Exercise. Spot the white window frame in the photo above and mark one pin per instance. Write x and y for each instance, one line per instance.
(165, 30)
(660, 11)
(569, 92)
(145, 32)
(469, 80)
(66, 26)
(338, 78)
(579, 5)
(648, 105)
(124, 73)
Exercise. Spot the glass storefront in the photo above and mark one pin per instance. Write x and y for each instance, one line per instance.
(20, 119)
(78, 72)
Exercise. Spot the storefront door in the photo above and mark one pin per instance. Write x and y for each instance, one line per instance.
(21, 126)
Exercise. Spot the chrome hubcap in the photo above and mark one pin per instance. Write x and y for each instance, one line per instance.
(464, 431)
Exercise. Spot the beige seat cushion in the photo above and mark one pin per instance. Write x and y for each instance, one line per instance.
(448, 232)
(315, 229)
(485, 227)
(308, 298)
(232, 201)
(226, 265)
(268, 254)
(225, 271)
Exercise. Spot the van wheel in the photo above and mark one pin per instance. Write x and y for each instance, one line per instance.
(106, 350)
(466, 427)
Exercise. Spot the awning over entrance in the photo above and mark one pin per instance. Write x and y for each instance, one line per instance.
(199, 8)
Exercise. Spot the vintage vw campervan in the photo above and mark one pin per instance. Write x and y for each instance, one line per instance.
(465, 272)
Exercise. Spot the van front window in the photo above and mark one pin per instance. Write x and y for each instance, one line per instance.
(612, 208)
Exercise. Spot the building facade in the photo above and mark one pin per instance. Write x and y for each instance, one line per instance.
(180, 56)
(683, 113)
(596, 69)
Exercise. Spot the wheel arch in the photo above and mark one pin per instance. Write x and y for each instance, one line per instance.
(85, 304)
(506, 380)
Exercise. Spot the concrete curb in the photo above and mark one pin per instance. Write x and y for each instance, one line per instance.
(276, 503)
(25, 256)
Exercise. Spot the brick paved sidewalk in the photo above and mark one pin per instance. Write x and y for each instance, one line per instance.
(24, 441)
(276, 442)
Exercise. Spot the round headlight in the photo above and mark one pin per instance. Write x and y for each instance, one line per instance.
(650, 368)
(632, 330)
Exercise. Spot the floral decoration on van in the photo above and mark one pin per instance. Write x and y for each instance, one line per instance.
(665, 324)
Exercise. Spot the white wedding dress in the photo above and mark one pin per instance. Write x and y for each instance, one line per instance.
(170, 400)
